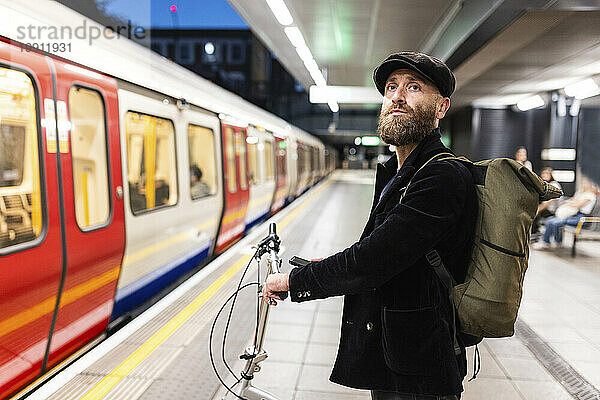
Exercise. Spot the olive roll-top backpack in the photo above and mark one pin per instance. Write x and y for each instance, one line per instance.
(508, 195)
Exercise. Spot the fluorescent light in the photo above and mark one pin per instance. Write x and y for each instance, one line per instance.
(311, 66)
(581, 90)
(333, 106)
(564, 176)
(357, 141)
(530, 102)
(370, 141)
(317, 77)
(559, 154)
(251, 140)
(280, 11)
(295, 36)
(304, 53)
(345, 94)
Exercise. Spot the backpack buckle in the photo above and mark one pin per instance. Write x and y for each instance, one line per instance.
(433, 258)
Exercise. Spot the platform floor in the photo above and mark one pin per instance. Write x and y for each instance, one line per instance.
(164, 354)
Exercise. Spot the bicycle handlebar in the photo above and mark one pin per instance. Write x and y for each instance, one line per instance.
(271, 243)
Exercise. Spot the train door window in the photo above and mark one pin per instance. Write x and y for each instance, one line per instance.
(281, 164)
(300, 159)
(269, 170)
(240, 149)
(230, 153)
(88, 149)
(253, 167)
(203, 171)
(20, 197)
(151, 162)
(307, 159)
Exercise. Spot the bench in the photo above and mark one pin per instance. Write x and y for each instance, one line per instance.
(588, 228)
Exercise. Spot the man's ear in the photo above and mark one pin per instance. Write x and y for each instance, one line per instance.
(443, 108)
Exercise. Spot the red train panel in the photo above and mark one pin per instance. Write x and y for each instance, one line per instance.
(95, 228)
(31, 261)
(237, 192)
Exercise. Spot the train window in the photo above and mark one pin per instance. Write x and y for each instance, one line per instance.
(300, 160)
(231, 167)
(20, 198)
(281, 165)
(88, 149)
(151, 164)
(269, 170)
(203, 171)
(240, 149)
(253, 167)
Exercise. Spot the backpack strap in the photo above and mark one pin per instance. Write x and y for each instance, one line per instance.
(434, 259)
(437, 157)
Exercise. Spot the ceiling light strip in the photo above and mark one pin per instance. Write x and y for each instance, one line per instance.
(296, 38)
(583, 89)
(281, 12)
(529, 103)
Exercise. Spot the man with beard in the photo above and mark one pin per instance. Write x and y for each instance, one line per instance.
(397, 337)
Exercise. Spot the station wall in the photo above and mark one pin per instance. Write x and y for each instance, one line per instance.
(589, 143)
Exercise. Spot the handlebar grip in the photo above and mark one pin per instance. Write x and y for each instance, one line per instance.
(282, 295)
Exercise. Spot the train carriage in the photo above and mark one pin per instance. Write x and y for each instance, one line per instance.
(117, 180)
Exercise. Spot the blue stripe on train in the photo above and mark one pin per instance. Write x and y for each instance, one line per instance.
(136, 293)
(255, 222)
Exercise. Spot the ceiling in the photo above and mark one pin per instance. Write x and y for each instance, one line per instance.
(500, 50)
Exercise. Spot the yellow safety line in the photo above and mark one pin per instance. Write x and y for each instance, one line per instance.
(47, 306)
(122, 370)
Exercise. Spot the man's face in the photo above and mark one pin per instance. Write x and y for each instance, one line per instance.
(411, 108)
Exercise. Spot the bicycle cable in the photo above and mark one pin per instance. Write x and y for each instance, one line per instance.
(233, 296)
(231, 313)
(210, 339)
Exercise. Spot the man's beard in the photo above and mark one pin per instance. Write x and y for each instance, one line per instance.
(409, 128)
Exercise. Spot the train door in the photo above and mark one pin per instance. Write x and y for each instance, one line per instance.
(261, 172)
(30, 233)
(236, 186)
(281, 174)
(88, 131)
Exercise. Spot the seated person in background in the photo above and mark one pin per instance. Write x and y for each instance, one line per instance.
(547, 208)
(198, 188)
(569, 213)
(137, 195)
(521, 157)
(161, 192)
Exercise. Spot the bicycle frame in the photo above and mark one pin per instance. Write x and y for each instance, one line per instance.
(254, 355)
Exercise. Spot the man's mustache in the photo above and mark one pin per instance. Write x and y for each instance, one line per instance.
(406, 109)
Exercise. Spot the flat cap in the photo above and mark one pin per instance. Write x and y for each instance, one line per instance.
(430, 67)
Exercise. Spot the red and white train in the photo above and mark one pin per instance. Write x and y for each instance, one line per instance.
(113, 187)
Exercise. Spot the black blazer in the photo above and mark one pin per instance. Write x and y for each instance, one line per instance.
(396, 325)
